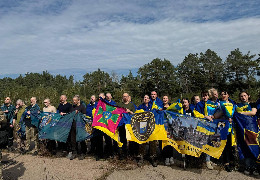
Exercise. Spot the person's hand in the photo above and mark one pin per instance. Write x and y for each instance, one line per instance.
(76, 111)
(128, 111)
(6, 111)
(28, 112)
(209, 118)
(230, 120)
(62, 113)
(11, 125)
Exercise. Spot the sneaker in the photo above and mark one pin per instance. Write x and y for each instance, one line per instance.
(167, 162)
(209, 166)
(228, 168)
(81, 157)
(35, 153)
(140, 162)
(171, 161)
(153, 162)
(247, 172)
(70, 156)
(255, 173)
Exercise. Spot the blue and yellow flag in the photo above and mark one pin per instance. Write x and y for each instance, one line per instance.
(247, 132)
(145, 126)
(176, 107)
(192, 136)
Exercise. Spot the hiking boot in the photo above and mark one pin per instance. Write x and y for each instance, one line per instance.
(209, 166)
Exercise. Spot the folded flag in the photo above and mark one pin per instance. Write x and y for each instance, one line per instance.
(106, 118)
(192, 136)
(145, 126)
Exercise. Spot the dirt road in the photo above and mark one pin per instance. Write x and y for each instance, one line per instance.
(27, 167)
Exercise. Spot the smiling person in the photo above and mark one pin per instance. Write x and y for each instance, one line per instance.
(51, 144)
(250, 109)
(48, 107)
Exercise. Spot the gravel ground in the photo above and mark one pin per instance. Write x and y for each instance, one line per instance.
(28, 167)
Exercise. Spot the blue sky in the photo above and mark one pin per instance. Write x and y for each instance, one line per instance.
(120, 35)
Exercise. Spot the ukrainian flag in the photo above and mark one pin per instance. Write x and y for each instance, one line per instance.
(145, 126)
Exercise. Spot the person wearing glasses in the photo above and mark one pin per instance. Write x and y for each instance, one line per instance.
(48, 107)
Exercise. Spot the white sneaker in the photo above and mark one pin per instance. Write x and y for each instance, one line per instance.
(171, 161)
(209, 166)
(167, 162)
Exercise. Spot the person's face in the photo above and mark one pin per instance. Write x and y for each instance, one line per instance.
(215, 94)
(224, 96)
(108, 97)
(18, 104)
(125, 97)
(63, 99)
(205, 97)
(146, 99)
(93, 99)
(196, 99)
(165, 99)
(75, 101)
(7, 100)
(153, 95)
(46, 103)
(185, 103)
(244, 97)
(33, 101)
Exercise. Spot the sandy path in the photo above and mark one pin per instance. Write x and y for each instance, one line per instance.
(28, 167)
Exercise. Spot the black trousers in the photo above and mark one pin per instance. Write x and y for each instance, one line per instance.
(73, 146)
(10, 134)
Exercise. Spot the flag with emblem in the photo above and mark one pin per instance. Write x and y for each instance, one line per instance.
(145, 126)
(53, 126)
(106, 118)
(247, 132)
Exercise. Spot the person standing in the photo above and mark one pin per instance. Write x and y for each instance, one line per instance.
(9, 110)
(31, 130)
(63, 109)
(48, 107)
(146, 106)
(74, 147)
(130, 108)
(19, 128)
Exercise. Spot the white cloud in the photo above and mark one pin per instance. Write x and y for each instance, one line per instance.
(104, 35)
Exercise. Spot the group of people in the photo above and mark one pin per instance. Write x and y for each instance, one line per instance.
(209, 105)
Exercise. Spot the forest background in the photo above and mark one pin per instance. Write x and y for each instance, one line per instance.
(196, 73)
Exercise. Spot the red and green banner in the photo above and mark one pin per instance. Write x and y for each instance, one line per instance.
(106, 118)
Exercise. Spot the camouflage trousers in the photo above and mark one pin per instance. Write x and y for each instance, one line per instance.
(20, 141)
(152, 149)
(31, 136)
